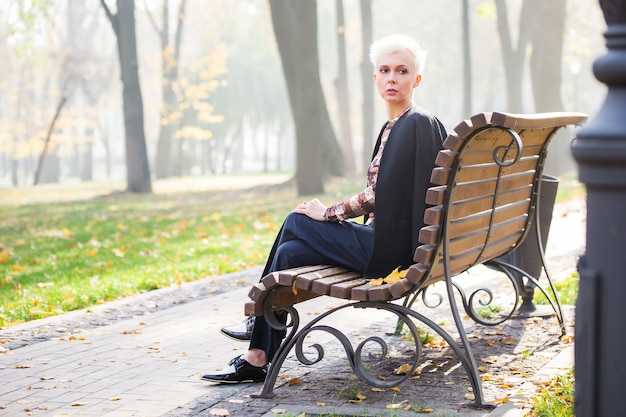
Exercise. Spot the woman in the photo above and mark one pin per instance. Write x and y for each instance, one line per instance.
(392, 203)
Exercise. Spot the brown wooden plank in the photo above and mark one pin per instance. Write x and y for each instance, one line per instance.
(256, 291)
(416, 273)
(467, 208)
(252, 309)
(508, 227)
(445, 158)
(436, 195)
(464, 128)
(270, 280)
(464, 225)
(541, 120)
(469, 190)
(481, 220)
(424, 254)
(287, 277)
(344, 289)
(323, 286)
(400, 289)
(491, 170)
(440, 176)
(433, 215)
(429, 234)
(367, 292)
(378, 293)
(481, 119)
(305, 281)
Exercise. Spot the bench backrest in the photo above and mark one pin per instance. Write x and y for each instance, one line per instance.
(486, 186)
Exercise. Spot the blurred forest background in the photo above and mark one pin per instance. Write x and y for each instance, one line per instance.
(141, 90)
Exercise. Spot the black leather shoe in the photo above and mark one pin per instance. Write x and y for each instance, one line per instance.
(237, 371)
(241, 332)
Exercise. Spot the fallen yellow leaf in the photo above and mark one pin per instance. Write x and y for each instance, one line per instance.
(402, 369)
(396, 406)
(376, 282)
(294, 381)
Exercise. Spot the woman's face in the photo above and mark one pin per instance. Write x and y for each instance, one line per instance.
(396, 77)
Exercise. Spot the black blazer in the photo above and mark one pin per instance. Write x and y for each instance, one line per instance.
(403, 179)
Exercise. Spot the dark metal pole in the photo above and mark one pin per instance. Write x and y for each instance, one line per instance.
(600, 150)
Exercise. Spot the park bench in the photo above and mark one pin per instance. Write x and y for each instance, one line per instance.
(481, 206)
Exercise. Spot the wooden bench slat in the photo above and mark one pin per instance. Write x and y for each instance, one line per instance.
(288, 276)
(436, 195)
(324, 285)
(344, 289)
(484, 171)
(371, 293)
(416, 273)
(305, 281)
(541, 120)
(399, 289)
(445, 158)
(257, 291)
(252, 309)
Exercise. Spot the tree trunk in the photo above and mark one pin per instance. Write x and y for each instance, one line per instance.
(545, 69)
(514, 58)
(295, 27)
(169, 67)
(343, 95)
(547, 51)
(367, 83)
(137, 168)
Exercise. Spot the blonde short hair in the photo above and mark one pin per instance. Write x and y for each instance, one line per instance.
(396, 43)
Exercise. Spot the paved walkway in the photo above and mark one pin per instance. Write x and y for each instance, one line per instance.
(143, 356)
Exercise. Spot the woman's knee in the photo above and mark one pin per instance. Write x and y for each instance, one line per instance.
(292, 253)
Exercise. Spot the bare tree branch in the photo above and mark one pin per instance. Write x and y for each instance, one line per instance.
(57, 113)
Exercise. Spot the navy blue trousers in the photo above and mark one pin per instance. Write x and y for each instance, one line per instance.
(303, 241)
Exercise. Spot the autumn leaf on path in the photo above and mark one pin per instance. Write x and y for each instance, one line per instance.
(359, 398)
(294, 381)
(396, 406)
(405, 368)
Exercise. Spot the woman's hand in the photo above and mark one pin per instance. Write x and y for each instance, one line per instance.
(313, 209)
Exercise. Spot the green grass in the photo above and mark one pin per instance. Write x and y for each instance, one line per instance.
(567, 289)
(556, 399)
(61, 256)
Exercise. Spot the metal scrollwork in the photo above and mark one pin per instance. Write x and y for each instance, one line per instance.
(505, 150)
(360, 360)
(438, 299)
